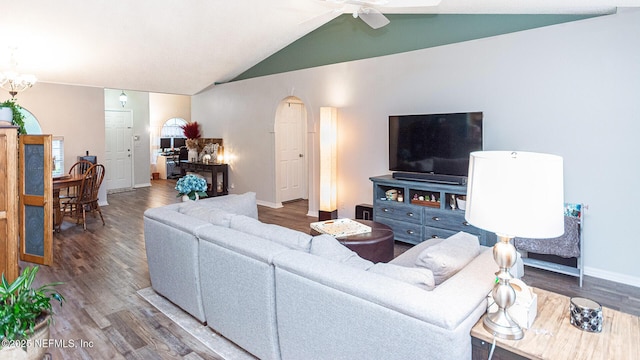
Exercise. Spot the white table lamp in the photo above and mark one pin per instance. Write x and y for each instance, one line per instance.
(513, 194)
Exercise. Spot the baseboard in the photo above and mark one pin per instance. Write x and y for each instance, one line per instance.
(612, 276)
(141, 185)
(269, 204)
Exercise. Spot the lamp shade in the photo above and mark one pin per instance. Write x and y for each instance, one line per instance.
(328, 158)
(516, 193)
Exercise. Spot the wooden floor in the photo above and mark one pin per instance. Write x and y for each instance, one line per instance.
(105, 266)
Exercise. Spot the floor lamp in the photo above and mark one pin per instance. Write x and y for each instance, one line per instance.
(328, 163)
(513, 194)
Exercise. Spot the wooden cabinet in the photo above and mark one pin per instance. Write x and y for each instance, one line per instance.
(9, 202)
(424, 212)
(217, 176)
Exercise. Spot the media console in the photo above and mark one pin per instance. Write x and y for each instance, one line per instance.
(413, 220)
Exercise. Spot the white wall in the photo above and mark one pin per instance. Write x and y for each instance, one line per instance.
(75, 112)
(570, 89)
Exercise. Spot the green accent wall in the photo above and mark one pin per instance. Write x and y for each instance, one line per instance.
(347, 39)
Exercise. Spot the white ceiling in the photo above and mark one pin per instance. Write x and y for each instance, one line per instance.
(183, 47)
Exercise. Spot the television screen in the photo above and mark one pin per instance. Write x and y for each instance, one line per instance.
(434, 143)
(165, 143)
(179, 142)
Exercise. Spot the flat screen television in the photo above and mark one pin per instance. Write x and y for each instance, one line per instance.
(433, 144)
(179, 142)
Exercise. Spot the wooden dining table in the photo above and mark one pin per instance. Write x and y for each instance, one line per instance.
(59, 183)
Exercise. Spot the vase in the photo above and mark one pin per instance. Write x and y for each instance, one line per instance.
(6, 116)
(186, 198)
(35, 347)
(192, 155)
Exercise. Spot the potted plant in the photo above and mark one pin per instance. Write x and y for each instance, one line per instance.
(16, 118)
(191, 187)
(25, 315)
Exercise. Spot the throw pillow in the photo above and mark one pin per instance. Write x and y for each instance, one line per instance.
(328, 247)
(420, 277)
(290, 238)
(449, 256)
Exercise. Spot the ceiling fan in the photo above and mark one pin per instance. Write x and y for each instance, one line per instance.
(369, 10)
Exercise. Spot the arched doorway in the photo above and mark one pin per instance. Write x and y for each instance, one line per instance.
(291, 150)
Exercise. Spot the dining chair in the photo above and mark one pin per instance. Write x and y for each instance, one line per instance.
(79, 168)
(86, 199)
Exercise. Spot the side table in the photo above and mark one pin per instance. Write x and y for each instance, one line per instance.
(553, 337)
(376, 246)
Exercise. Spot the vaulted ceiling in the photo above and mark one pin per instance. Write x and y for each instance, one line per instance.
(183, 47)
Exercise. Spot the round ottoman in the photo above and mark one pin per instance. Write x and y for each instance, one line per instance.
(376, 246)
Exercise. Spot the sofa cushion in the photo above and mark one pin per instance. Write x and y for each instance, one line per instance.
(292, 239)
(209, 214)
(416, 276)
(446, 258)
(328, 247)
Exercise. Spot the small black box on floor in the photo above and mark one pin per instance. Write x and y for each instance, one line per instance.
(364, 212)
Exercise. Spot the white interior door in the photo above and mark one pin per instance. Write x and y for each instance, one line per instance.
(119, 147)
(290, 145)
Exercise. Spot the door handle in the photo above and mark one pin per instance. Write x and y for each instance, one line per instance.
(300, 155)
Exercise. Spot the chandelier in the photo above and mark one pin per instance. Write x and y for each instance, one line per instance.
(14, 82)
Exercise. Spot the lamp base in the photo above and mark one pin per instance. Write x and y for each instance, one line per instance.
(327, 215)
(501, 325)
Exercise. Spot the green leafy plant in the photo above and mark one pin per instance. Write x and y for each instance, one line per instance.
(22, 307)
(18, 117)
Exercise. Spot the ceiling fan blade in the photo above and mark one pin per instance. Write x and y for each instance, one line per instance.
(372, 17)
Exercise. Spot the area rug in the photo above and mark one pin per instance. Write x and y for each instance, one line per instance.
(214, 341)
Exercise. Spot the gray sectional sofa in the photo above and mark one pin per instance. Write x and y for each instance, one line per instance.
(283, 294)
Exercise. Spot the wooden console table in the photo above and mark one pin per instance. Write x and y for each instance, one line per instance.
(553, 337)
(214, 169)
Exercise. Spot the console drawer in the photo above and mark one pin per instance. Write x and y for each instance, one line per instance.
(402, 230)
(448, 219)
(398, 211)
(436, 233)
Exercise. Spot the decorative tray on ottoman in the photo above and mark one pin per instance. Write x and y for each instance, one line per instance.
(340, 227)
